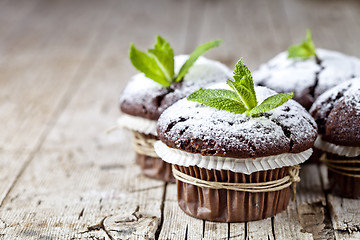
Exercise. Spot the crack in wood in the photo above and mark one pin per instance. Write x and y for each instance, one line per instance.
(186, 232)
(98, 227)
(135, 214)
(162, 206)
(272, 227)
(145, 189)
(246, 231)
(81, 213)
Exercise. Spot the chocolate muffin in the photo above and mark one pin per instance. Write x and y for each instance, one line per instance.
(309, 78)
(337, 114)
(143, 100)
(210, 146)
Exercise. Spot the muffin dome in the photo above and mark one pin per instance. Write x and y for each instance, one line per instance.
(337, 113)
(145, 98)
(196, 128)
(308, 79)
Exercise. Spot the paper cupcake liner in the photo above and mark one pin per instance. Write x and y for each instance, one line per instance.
(340, 183)
(155, 168)
(239, 165)
(138, 124)
(347, 151)
(228, 205)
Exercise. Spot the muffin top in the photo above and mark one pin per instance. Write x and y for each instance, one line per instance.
(337, 114)
(196, 128)
(308, 79)
(142, 97)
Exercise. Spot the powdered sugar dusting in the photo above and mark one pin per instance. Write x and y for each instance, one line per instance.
(283, 74)
(142, 91)
(285, 127)
(348, 91)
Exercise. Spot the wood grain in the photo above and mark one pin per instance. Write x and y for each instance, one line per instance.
(63, 65)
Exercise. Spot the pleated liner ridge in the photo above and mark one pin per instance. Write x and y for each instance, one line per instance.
(228, 205)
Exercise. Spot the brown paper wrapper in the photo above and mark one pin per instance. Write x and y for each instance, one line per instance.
(228, 205)
(342, 185)
(154, 167)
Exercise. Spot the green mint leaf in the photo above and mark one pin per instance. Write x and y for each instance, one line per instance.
(245, 94)
(270, 103)
(242, 99)
(242, 76)
(200, 50)
(218, 98)
(164, 57)
(304, 50)
(148, 65)
(241, 70)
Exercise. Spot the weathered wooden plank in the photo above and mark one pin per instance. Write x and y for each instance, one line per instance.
(40, 64)
(110, 195)
(237, 230)
(347, 236)
(214, 230)
(177, 224)
(76, 186)
(260, 230)
(312, 209)
(287, 226)
(29, 95)
(9, 164)
(345, 213)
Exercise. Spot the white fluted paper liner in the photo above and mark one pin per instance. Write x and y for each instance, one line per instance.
(139, 124)
(241, 165)
(347, 151)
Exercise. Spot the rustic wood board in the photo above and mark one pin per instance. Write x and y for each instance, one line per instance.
(62, 67)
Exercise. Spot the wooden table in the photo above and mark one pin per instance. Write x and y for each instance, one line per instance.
(63, 65)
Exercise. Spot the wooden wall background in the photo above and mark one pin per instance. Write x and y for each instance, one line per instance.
(63, 65)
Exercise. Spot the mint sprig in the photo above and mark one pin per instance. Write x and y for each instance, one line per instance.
(304, 50)
(158, 63)
(242, 99)
(200, 50)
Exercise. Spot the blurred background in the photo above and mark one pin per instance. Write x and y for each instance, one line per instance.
(50, 49)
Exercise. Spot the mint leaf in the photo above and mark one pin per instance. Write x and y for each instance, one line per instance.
(245, 94)
(158, 63)
(200, 50)
(164, 57)
(242, 99)
(244, 81)
(271, 103)
(148, 65)
(304, 50)
(241, 70)
(218, 98)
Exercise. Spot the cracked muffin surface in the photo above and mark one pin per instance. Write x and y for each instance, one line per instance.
(308, 79)
(196, 128)
(337, 113)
